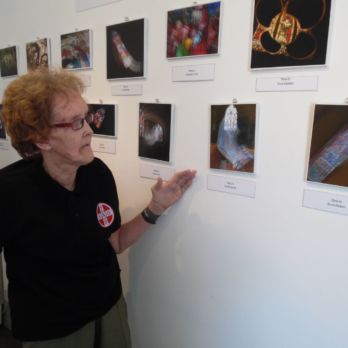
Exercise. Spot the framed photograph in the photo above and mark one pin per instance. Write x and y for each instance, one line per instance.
(2, 128)
(125, 46)
(104, 119)
(328, 157)
(194, 31)
(9, 61)
(290, 33)
(76, 50)
(38, 54)
(232, 137)
(155, 127)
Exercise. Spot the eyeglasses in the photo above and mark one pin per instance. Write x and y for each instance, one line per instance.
(76, 124)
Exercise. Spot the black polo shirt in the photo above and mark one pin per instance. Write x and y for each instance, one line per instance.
(62, 270)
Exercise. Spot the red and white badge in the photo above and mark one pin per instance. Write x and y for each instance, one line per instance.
(105, 215)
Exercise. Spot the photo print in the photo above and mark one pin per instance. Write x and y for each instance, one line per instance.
(38, 54)
(328, 157)
(232, 137)
(2, 128)
(155, 131)
(76, 50)
(193, 31)
(8, 61)
(289, 33)
(103, 120)
(125, 44)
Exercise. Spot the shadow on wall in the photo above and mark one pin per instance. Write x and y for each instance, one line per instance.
(214, 284)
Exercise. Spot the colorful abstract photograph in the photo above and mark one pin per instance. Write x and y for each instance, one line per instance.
(38, 54)
(103, 120)
(193, 31)
(155, 131)
(2, 128)
(328, 157)
(232, 137)
(8, 61)
(289, 33)
(125, 49)
(76, 50)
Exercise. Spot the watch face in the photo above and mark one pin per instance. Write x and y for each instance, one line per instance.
(148, 216)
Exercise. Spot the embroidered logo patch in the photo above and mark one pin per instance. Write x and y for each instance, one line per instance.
(105, 214)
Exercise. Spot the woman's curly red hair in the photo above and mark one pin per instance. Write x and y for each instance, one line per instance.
(28, 103)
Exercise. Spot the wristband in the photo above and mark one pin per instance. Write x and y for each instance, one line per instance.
(149, 216)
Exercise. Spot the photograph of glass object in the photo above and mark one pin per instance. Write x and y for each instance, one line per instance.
(193, 31)
(155, 131)
(103, 120)
(125, 49)
(290, 33)
(76, 50)
(8, 61)
(232, 137)
(38, 54)
(328, 158)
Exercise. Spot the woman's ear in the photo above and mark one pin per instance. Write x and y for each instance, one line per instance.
(43, 144)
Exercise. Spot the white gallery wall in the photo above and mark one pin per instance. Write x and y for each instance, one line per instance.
(218, 270)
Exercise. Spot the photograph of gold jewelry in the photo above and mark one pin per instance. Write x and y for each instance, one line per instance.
(290, 33)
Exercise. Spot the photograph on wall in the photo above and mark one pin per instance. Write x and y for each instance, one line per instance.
(328, 157)
(290, 33)
(38, 54)
(76, 50)
(103, 119)
(2, 128)
(8, 61)
(193, 31)
(125, 45)
(232, 137)
(155, 131)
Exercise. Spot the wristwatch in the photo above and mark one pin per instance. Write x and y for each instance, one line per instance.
(149, 216)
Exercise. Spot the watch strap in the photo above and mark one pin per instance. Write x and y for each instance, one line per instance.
(149, 216)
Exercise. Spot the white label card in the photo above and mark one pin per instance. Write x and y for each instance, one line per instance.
(232, 185)
(325, 201)
(104, 145)
(204, 72)
(152, 171)
(287, 83)
(4, 145)
(127, 90)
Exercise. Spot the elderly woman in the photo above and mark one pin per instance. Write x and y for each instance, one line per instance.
(61, 225)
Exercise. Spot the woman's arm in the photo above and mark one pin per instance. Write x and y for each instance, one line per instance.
(164, 194)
